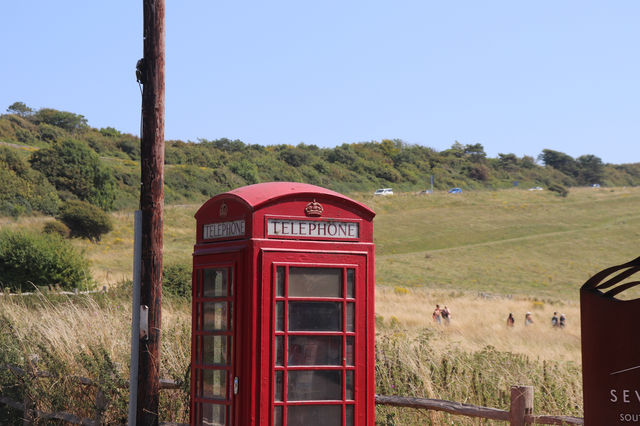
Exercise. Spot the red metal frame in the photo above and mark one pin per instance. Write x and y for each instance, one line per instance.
(254, 258)
(198, 366)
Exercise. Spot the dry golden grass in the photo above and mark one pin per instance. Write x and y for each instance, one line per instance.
(70, 327)
(478, 322)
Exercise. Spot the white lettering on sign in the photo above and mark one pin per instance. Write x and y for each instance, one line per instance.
(312, 229)
(214, 231)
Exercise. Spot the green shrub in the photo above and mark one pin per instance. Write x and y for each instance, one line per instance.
(176, 279)
(50, 133)
(85, 220)
(74, 167)
(246, 170)
(560, 189)
(56, 227)
(22, 189)
(28, 259)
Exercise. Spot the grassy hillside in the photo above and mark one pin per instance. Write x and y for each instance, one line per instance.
(48, 157)
(508, 242)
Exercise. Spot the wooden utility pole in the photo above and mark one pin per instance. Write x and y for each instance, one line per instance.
(151, 72)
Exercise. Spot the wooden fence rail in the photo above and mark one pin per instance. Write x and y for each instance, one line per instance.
(520, 412)
(31, 414)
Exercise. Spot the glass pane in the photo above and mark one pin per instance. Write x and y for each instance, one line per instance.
(315, 316)
(349, 415)
(278, 383)
(350, 347)
(280, 281)
(198, 389)
(213, 414)
(277, 416)
(279, 350)
(199, 349)
(214, 384)
(315, 350)
(350, 317)
(349, 386)
(215, 350)
(215, 283)
(215, 316)
(314, 385)
(198, 316)
(351, 283)
(315, 282)
(280, 316)
(314, 415)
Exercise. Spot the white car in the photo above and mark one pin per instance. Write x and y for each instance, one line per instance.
(384, 191)
(536, 188)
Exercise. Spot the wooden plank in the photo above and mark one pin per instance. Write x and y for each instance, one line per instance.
(67, 417)
(11, 403)
(451, 407)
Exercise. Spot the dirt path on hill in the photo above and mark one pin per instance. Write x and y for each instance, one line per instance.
(15, 145)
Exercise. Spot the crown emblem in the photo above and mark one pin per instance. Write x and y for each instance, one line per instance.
(223, 209)
(314, 209)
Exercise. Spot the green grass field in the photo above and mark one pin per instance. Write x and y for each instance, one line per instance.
(506, 242)
(509, 242)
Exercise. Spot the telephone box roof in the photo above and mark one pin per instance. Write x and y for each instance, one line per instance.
(260, 194)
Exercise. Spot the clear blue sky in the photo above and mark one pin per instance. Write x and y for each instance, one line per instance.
(514, 76)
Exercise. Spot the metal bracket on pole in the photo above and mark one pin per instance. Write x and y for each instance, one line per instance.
(144, 322)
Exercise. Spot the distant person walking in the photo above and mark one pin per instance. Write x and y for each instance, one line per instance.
(510, 320)
(527, 319)
(446, 315)
(437, 314)
(554, 320)
(563, 321)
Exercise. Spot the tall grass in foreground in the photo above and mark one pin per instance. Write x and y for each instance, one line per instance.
(410, 366)
(85, 336)
(469, 361)
(476, 358)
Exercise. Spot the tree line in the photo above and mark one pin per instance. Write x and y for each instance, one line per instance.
(49, 157)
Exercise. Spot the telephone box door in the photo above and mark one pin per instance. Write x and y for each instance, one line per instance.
(317, 330)
(214, 382)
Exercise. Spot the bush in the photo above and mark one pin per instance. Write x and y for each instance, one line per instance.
(176, 279)
(23, 189)
(62, 119)
(41, 259)
(74, 167)
(561, 190)
(57, 228)
(85, 220)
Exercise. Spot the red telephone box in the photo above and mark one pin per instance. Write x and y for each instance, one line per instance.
(283, 308)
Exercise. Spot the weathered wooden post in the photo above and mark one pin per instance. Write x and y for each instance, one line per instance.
(151, 72)
(101, 405)
(521, 404)
(29, 405)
